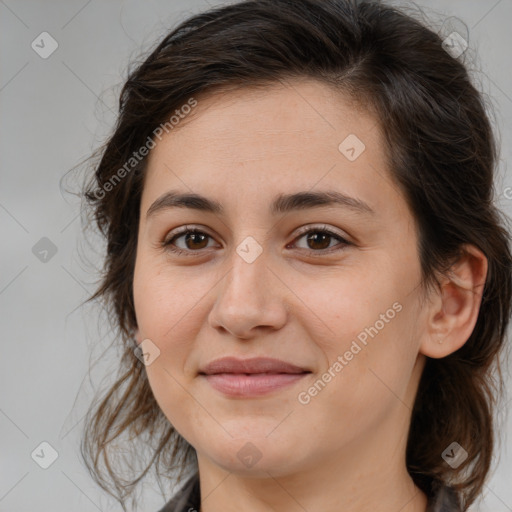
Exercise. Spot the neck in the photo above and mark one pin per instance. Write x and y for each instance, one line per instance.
(332, 485)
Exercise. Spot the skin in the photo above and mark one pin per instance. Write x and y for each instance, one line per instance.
(345, 449)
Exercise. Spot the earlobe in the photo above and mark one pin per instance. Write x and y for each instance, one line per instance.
(454, 311)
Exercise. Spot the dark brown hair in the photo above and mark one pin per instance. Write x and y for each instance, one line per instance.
(442, 155)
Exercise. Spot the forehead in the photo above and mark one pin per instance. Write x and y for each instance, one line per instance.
(249, 144)
(273, 118)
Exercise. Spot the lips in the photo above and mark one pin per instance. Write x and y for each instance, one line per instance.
(246, 378)
(250, 366)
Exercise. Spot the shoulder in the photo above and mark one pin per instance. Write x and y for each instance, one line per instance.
(187, 499)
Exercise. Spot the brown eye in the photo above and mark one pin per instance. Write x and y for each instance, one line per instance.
(194, 241)
(318, 240)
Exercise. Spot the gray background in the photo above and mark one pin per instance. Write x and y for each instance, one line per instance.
(54, 112)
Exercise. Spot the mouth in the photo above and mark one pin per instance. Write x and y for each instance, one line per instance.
(251, 377)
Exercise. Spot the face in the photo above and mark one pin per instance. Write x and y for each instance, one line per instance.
(330, 287)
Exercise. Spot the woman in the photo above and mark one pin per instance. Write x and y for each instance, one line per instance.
(309, 278)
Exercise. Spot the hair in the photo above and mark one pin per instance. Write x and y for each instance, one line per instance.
(442, 154)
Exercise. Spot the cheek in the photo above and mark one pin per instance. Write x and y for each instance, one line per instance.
(170, 305)
(369, 328)
(339, 305)
(167, 315)
(365, 382)
(162, 296)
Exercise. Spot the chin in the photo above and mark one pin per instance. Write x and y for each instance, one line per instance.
(255, 456)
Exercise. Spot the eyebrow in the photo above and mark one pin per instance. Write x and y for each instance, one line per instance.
(283, 203)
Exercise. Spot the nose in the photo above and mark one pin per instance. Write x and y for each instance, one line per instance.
(250, 299)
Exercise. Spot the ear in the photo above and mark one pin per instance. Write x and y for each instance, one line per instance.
(453, 310)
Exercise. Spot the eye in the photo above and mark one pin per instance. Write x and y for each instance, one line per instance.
(318, 238)
(193, 238)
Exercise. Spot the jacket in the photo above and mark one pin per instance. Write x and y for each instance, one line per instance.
(188, 499)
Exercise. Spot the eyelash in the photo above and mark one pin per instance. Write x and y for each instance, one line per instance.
(168, 244)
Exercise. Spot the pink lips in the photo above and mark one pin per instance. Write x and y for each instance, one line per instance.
(251, 377)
